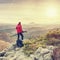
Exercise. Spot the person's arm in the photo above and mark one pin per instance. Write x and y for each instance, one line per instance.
(21, 27)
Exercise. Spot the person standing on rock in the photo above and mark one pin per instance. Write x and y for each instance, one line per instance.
(19, 31)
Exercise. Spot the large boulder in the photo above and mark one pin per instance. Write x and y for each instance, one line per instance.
(43, 53)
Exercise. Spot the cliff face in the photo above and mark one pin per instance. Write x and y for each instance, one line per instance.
(16, 53)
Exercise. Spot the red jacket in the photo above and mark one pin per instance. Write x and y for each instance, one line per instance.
(19, 28)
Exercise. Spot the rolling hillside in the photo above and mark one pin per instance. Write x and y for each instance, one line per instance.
(33, 31)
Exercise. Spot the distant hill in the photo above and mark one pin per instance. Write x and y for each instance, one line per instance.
(33, 30)
(5, 37)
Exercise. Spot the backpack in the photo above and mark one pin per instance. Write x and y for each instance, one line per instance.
(19, 43)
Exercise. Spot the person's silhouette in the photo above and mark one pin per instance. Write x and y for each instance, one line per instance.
(19, 31)
(20, 35)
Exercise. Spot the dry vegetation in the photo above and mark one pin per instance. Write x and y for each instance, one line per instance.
(51, 38)
(30, 46)
(3, 45)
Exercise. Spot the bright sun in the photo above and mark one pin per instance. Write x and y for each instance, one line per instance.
(51, 12)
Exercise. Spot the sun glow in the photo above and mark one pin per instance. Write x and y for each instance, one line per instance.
(51, 12)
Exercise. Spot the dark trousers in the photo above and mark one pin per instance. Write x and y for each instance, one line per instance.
(19, 40)
(20, 36)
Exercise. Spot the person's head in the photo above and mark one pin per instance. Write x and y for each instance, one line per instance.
(19, 23)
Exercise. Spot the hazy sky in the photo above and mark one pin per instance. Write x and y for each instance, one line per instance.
(27, 11)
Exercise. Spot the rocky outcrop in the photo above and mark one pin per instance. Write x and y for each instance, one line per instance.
(16, 53)
(13, 53)
(43, 53)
